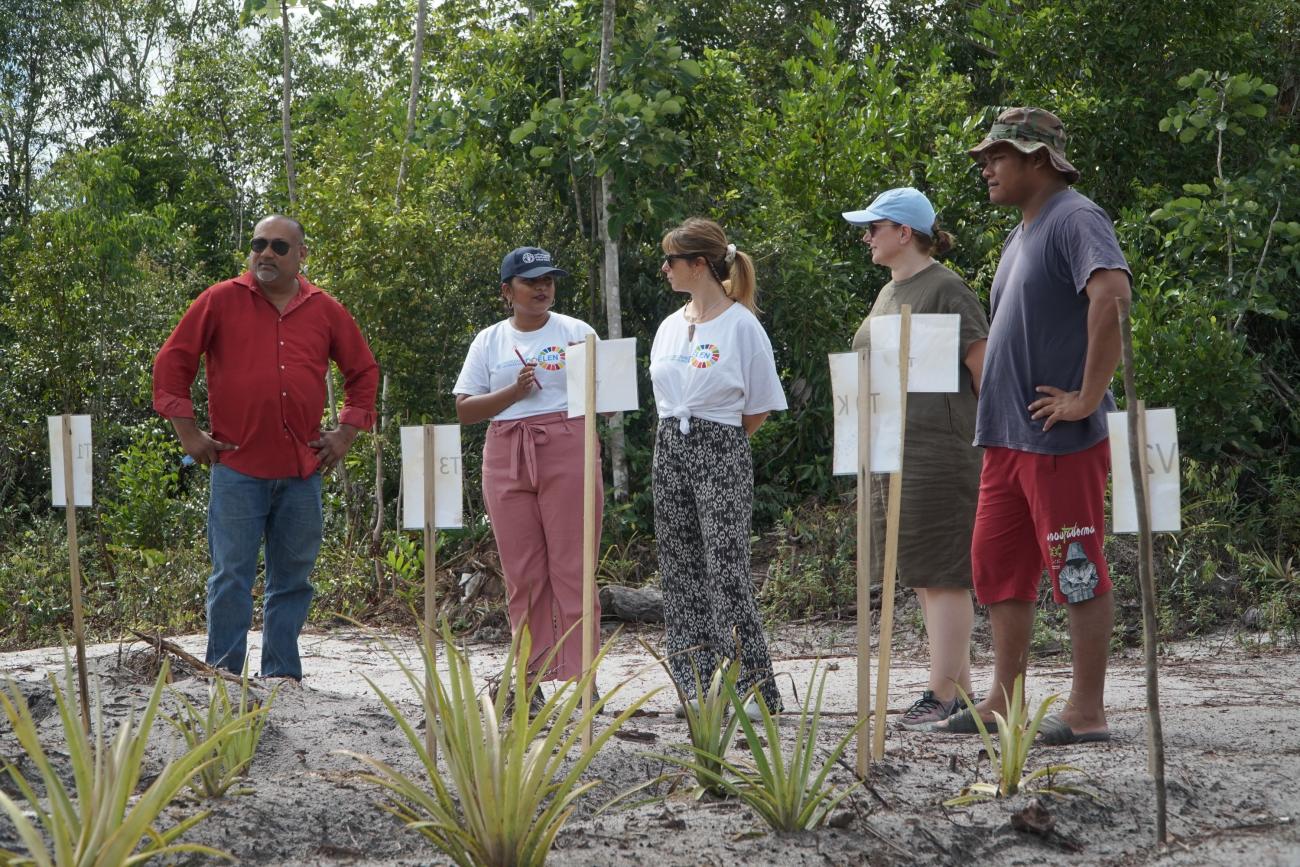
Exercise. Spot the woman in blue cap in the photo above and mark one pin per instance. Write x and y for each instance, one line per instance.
(532, 459)
(941, 467)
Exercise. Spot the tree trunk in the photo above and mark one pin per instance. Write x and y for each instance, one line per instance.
(417, 54)
(632, 605)
(586, 230)
(381, 422)
(377, 529)
(412, 102)
(350, 509)
(609, 271)
(286, 84)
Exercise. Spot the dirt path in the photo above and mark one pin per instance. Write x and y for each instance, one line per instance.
(1231, 719)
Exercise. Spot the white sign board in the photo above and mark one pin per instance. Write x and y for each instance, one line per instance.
(884, 417)
(615, 376)
(447, 464)
(934, 342)
(81, 468)
(1162, 473)
(933, 348)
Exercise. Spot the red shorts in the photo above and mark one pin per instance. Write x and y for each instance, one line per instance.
(1041, 512)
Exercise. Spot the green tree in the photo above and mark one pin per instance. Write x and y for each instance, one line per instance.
(1224, 255)
(90, 304)
(39, 43)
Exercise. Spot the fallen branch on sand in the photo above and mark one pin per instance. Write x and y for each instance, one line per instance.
(162, 645)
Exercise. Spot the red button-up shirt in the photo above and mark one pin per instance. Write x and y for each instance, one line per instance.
(266, 373)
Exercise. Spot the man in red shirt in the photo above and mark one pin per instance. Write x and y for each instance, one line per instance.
(267, 338)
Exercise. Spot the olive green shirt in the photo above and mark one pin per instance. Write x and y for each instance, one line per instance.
(941, 467)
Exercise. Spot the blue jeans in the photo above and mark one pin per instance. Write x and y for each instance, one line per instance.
(244, 512)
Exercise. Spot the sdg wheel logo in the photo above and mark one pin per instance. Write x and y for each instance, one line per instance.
(705, 355)
(551, 358)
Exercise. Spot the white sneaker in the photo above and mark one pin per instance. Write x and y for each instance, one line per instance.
(755, 713)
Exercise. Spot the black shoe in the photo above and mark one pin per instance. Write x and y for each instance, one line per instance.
(963, 723)
(536, 704)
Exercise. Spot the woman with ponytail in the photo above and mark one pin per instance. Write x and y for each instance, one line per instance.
(941, 467)
(714, 382)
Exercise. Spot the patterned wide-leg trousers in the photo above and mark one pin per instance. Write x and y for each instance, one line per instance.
(704, 495)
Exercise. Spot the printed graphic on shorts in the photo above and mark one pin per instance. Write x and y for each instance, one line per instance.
(1068, 533)
(1078, 577)
(1055, 539)
(550, 358)
(705, 355)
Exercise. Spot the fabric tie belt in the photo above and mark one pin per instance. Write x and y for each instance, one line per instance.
(528, 434)
(683, 416)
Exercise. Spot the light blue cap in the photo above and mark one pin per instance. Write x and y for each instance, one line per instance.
(907, 206)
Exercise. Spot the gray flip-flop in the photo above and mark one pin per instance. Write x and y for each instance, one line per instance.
(1055, 732)
(963, 723)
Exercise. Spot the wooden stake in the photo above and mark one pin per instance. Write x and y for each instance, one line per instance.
(864, 559)
(430, 573)
(1137, 448)
(377, 530)
(589, 471)
(74, 563)
(891, 539)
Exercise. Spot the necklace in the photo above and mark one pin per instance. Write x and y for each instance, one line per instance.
(705, 315)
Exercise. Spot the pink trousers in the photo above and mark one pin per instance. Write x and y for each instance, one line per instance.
(532, 484)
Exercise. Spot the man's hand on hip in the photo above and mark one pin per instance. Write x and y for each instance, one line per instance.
(1060, 406)
(199, 444)
(333, 445)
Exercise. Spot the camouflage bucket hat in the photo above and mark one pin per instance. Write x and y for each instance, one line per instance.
(1028, 130)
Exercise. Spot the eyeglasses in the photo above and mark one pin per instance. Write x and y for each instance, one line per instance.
(873, 228)
(669, 258)
(279, 246)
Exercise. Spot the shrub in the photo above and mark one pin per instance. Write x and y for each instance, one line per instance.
(814, 568)
(1016, 733)
(709, 722)
(147, 507)
(785, 792)
(101, 822)
(512, 790)
(232, 754)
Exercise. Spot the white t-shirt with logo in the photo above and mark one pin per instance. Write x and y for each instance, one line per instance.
(492, 364)
(725, 371)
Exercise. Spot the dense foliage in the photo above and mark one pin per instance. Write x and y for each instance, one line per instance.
(141, 139)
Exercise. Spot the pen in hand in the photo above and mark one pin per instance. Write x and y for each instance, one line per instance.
(520, 356)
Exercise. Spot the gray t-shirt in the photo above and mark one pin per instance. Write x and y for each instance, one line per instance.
(1039, 325)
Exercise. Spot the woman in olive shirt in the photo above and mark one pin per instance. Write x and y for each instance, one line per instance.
(941, 467)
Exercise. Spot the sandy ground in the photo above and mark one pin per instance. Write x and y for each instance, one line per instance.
(1231, 720)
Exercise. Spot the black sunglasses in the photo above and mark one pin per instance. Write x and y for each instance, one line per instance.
(686, 257)
(873, 228)
(279, 246)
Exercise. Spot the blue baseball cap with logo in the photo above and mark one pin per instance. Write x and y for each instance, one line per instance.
(528, 262)
(906, 206)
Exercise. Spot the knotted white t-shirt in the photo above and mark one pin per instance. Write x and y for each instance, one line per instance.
(726, 370)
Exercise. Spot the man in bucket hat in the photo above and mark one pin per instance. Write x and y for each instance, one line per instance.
(1029, 130)
(1053, 348)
